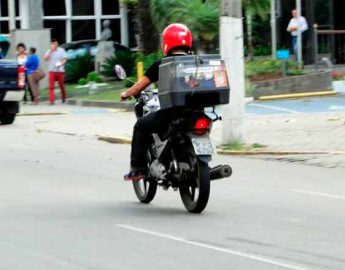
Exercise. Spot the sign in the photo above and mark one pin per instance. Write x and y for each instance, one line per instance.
(283, 54)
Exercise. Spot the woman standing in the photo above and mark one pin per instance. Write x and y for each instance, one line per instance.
(32, 69)
(22, 57)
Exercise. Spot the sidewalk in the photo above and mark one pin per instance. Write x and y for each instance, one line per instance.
(319, 132)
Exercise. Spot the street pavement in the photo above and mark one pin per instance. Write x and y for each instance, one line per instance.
(292, 132)
(64, 205)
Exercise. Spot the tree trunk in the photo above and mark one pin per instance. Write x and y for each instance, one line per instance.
(249, 20)
(149, 35)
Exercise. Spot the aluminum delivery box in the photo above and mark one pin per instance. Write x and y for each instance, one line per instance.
(193, 81)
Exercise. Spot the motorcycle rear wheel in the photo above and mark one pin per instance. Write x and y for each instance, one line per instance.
(195, 191)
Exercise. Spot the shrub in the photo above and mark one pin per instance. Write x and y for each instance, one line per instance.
(79, 67)
(82, 81)
(94, 77)
(130, 81)
(338, 75)
(125, 59)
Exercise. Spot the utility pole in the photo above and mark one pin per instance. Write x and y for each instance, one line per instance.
(299, 36)
(12, 14)
(232, 51)
(273, 29)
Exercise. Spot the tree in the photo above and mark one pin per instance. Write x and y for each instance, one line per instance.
(148, 34)
(254, 8)
(200, 16)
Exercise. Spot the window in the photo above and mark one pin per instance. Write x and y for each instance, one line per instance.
(4, 8)
(110, 7)
(53, 8)
(58, 29)
(4, 27)
(83, 7)
(83, 29)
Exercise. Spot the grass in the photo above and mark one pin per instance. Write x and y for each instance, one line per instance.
(240, 146)
(112, 95)
(109, 92)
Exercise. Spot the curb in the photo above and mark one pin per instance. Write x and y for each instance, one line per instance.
(115, 140)
(277, 153)
(127, 106)
(298, 95)
(40, 114)
(127, 140)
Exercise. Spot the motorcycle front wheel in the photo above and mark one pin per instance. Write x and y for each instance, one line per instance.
(145, 189)
(195, 190)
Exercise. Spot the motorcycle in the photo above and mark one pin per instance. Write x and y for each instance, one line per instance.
(179, 158)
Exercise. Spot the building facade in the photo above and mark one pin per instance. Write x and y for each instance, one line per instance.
(328, 15)
(70, 20)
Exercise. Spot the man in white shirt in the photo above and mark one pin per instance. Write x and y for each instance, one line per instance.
(56, 58)
(297, 24)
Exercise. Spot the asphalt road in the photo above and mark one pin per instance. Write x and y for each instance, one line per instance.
(64, 206)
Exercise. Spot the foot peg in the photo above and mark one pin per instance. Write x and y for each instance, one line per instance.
(219, 172)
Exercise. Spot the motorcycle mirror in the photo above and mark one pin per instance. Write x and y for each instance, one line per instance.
(120, 72)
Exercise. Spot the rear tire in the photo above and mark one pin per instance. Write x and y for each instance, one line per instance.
(7, 118)
(195, 191)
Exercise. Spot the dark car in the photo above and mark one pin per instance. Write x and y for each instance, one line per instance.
(79, 48)
(10, 91)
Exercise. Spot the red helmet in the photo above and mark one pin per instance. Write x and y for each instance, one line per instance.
(176, 35)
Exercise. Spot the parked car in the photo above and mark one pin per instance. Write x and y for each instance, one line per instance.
(79, 48)
(12, 82)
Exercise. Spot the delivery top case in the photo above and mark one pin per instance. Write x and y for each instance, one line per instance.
(193, 81)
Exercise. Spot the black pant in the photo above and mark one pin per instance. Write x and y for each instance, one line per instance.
(156, 122)
(28, 89)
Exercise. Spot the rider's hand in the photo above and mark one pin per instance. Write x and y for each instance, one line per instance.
(124, 96)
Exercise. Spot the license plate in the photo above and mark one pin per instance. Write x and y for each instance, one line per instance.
(202, 146)
(14, 96)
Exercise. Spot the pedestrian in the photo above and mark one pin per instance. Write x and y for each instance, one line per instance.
(34, 73)
(57, 59)
(297, 24)
(22, 57)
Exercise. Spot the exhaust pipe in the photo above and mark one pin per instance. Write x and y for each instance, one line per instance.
(219, 172)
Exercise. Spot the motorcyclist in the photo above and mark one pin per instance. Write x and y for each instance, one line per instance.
(176, 40)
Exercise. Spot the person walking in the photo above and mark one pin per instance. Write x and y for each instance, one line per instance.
(57, 59)
(22, 57)
(32, 70)
(297, 24)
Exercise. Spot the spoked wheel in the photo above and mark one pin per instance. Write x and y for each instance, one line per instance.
(146, 188)
(195, 190)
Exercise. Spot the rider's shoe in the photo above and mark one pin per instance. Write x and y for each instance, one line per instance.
(135, 175)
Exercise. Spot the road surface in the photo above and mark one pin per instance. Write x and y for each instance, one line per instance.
(64, 206)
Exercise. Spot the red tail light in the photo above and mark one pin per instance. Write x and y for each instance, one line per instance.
(202, 125)
(21, 77)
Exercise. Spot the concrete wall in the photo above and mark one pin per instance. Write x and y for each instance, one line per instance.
(321, 81)
(38, 38)
(31, 12)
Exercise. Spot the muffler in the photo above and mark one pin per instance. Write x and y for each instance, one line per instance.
(219, 172)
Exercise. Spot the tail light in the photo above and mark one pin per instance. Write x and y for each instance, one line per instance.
(21, 77)
(202, 126)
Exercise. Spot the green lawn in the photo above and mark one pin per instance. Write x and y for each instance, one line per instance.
(111, 95)
(109, 92)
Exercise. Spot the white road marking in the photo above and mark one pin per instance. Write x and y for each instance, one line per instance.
(247, 255)
(273, 108)
(320, 194)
